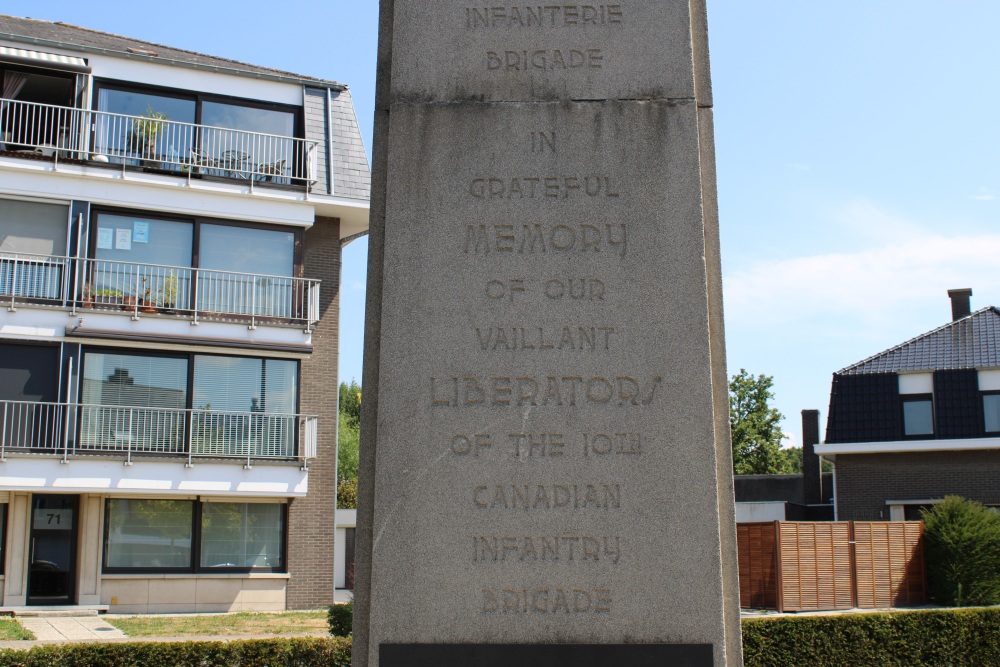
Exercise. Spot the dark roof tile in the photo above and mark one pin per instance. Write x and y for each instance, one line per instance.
(971, 342)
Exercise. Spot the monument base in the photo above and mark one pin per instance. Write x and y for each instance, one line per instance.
(545, 655)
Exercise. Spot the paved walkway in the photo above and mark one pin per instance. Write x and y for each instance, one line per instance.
(70, 628)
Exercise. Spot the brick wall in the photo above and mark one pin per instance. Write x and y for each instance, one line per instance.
(866, 481)
(310, 519)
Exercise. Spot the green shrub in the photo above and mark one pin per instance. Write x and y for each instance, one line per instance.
(347, 494)
(292, 652)
(962, 551)
(341, 619)
(938, 638)
(348, 435)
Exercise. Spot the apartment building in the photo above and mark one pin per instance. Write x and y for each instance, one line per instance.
(171, 226)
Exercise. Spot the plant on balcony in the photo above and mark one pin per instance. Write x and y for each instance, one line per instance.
(167, 295)
(146, 302)
(106, 295)
(142, 135)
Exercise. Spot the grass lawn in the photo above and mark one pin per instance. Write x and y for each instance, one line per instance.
(240, 623)
(11, 629)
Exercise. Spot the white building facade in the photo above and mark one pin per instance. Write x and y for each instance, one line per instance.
(170, 234)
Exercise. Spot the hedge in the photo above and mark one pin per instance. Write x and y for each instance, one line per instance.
(936, 638)
(291, 652)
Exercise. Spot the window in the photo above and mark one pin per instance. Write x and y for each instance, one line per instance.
(32, 239)
(133, 402)
(242, 535)
(242, 406)
(146, 535)
(169, 129)
(29, 391)
(918, 415)
(991, 412)
(142, 257)
(253, 403)
(243, 269)
(149, 534)
(263, 261)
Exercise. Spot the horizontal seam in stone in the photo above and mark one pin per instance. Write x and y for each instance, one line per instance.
(674, 100)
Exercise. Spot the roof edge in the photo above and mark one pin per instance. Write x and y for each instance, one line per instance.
(848, 369)
(266, 76)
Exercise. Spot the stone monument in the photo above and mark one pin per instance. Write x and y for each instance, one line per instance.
(546, 469)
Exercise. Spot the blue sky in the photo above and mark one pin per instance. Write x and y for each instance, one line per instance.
(857, 149)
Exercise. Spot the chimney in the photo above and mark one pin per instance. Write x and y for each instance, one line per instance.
(811, 488)
(960, 303)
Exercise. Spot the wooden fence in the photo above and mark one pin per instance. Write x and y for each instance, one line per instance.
(812, 566)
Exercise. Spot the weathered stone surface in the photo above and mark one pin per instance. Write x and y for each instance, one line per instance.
(543, 454)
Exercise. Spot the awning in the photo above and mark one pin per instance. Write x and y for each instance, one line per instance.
(10, 54)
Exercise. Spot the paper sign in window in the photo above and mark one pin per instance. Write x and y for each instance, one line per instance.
(123, 239)
(105, 238)
(140, 232)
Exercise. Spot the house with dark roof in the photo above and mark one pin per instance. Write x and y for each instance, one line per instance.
(919, 421)
(171, 226)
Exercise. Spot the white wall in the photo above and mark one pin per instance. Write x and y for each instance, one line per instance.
(762, 511)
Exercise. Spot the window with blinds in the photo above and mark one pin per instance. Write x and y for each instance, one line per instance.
(251, 402)
(133, 401)
(32, 241)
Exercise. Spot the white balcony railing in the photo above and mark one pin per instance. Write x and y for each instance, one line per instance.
(67, 430)
(147, 142)
(138, 289)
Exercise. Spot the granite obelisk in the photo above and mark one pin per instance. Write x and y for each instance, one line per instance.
(545, 460)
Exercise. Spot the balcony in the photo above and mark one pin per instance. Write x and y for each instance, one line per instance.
(67, 430)
(139, 289)
(149, 142)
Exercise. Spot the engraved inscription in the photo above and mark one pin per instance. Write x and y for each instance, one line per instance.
(528, 497)
(526, 239)
(545, 60)
(552, 444)
(607, 444)
(547, 16)
(539, 338)
(548, 391)
(527, 445)
(470, 444)
(542, 187)
(548, 600)
(576, 289)
(542, 141)
(546, 548)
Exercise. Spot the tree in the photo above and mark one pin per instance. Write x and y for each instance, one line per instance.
(754, 425)
(348, 430)
(350, 401)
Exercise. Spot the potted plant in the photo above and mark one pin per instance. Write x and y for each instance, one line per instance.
(167, 295)
(88, 296)
(142, 135)
(106, 295)
(146, 303)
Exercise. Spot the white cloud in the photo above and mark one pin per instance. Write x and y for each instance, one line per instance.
(984, 195)
(904, 269)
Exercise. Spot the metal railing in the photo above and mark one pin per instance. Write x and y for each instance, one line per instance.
(68, 429)
(28, 276)
(154, 288)
(152, 142)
